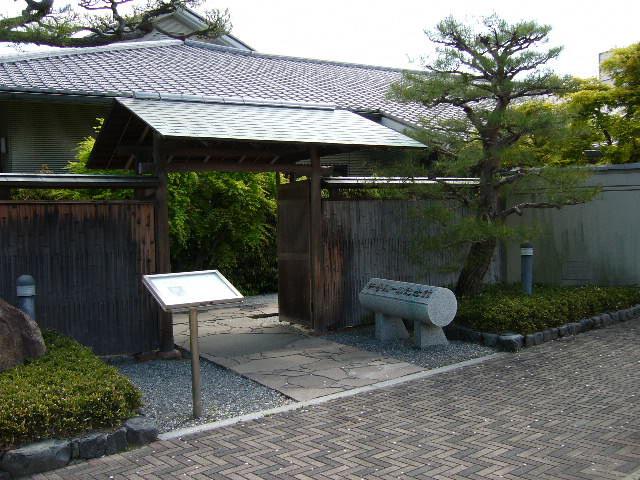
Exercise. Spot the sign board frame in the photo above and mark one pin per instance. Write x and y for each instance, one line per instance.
(151, 284)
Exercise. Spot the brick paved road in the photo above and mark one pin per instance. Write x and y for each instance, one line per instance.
(565, 410)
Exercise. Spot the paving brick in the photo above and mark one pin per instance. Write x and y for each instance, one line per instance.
(560, 411)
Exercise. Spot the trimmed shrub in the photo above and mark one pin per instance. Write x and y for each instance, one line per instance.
(504, 308)
(66, 392)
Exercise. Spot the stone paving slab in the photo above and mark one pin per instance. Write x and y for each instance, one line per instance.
(282, 356)
(566, 410)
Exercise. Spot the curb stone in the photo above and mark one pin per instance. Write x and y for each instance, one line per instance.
(53, 454)
(509, 342)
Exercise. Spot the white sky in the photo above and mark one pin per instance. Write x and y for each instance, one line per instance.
(390, 33)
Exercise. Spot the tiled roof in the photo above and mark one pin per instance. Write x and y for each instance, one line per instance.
(194, 68)
(264, 123)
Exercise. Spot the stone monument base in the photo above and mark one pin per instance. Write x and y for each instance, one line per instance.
(428, 335)
(390, 328)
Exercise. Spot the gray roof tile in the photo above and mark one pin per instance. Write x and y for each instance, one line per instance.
(195, 68)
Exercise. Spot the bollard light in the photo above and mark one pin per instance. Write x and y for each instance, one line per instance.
(526, 261)
(26, 292)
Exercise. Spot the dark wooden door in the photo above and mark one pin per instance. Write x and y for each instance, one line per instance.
(294, 258)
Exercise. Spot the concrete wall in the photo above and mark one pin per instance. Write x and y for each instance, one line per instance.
(594, 243)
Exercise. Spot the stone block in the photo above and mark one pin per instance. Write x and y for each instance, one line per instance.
(389, 329)
(140, 431)
(615, 316)
(573, 328)
(490, 339)
(510, 343)
(586, 324)
(37, 457)
(606, 320)
(597, 321)
(116, 441)
(539, 338)
(563, 331)
(92, 445)
(530, 340)
(428, 335)
(555, 333)
(546, 335)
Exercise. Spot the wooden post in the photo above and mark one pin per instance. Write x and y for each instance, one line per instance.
(195, 363)
(315, 233)
(163, 259)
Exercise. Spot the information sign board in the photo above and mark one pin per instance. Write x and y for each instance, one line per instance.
(177, 291)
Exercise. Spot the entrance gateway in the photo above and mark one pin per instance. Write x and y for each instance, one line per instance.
(196, 134)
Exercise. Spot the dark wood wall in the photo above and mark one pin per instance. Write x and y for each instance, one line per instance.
(375, 238)
(87, 260)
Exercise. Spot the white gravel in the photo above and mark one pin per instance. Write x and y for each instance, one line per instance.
(431, 357)
(166, 391)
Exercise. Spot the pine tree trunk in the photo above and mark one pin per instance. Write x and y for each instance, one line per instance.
(475, 267)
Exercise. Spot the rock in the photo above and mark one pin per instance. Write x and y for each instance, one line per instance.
(546, 335)
(614, 316)
(140, 431)
(510, 343)
(597, 321)
(116, 441)
(37, 457)
(586, 324)
(573, 328)
(20, 337)
(530, 340)
(539, 336)
(555, 333)
(92, 445)
(490, 339)
(606, 320)
(563, 331)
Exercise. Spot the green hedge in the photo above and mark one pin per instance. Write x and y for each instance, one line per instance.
(65, 392)
(505, 309)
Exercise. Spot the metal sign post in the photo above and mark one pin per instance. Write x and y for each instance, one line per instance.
(195, 363)
(192, 290)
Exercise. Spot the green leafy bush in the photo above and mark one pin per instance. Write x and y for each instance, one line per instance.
(501, 308)
(65, 392)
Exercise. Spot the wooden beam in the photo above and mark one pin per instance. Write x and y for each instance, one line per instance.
(315, 233)
(230, 166)
(163, 258)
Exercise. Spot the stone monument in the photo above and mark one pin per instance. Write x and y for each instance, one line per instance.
(430, 308)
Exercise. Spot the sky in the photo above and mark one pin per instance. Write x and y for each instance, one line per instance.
(391, 33)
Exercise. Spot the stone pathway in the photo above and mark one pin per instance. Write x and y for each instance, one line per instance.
(565, 410)
(250, 340)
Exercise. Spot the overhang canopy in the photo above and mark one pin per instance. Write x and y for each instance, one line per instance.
(199, 134)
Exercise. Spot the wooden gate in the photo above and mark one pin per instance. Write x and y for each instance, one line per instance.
(87, 259)
(294, 253)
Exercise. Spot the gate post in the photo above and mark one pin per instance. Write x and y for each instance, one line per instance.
(315, 232)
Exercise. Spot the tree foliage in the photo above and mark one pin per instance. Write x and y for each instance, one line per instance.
(98, 22)
(611, 109)
(494, 82)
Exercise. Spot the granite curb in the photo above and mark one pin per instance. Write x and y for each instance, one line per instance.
(56, 453)
(512, 342)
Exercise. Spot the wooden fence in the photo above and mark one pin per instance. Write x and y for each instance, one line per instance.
(87, 259)
(376, 238)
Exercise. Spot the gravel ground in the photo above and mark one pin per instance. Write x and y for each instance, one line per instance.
(166, 391)
(431, 357)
